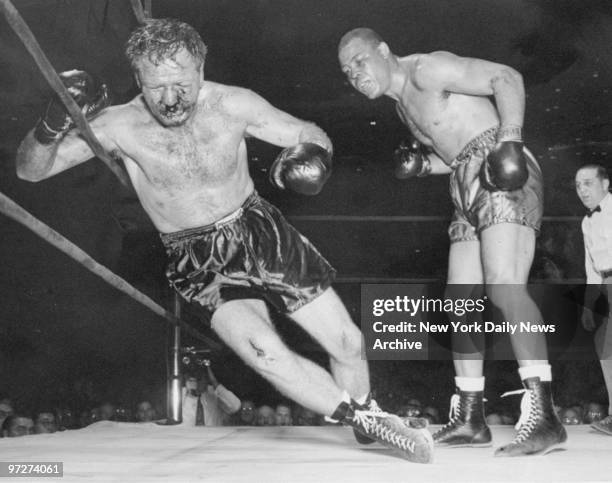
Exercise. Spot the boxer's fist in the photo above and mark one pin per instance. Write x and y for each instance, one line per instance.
(505, 168)
(90, 96)
(303, 168)
(411, 160)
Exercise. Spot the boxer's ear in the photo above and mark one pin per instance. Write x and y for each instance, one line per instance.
(384, 50)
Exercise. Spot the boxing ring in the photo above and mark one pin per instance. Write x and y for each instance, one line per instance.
(109, 451)
(112, 451)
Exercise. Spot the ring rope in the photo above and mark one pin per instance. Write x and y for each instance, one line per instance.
(22, 30)
(17, 213)
(402, 218)
(141, 13)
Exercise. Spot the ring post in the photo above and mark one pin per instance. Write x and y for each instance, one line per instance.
(175, 415)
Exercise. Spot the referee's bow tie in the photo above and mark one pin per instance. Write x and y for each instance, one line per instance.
(594, 210)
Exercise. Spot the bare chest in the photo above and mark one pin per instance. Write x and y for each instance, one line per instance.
(206, 154)
(426, 113)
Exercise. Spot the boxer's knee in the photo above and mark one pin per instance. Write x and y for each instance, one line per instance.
(349, 346)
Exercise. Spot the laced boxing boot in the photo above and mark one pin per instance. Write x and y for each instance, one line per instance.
(467, 425)
(370, 405)
(539, 428)
(411, 443)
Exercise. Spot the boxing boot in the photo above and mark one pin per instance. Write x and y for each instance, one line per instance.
(539, 428)
(466, 426)
(410, 443)
(370, 405)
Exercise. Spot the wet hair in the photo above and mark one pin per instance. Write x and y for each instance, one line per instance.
(366, 34)
(602, 172)
(161, 39)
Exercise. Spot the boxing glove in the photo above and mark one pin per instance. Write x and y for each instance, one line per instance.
(505, 168)
(303, 168)
(411, 160)
(90, 96)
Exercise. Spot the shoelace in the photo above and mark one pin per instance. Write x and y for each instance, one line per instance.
(528, 418)
(374, 407)
(369, 420)
(453, 413)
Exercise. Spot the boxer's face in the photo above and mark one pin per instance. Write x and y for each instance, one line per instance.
(171, 87)
(590, 188)
(365, 67)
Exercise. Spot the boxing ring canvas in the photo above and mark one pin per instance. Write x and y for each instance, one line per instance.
(110, 451)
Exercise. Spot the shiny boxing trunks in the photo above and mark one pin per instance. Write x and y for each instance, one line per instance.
(477, 208)
(251, 253)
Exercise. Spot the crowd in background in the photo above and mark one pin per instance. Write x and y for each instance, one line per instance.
(256, 411)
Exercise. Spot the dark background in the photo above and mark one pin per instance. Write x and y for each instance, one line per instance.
(60, 325)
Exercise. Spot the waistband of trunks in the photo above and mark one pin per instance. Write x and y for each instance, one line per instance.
(484, 138)
(179, 236)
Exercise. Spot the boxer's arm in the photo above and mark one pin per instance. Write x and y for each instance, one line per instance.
(266, 122)
(36, 161)
(464, 75)
(437, 165)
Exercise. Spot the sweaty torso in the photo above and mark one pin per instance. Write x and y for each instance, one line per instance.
(190, 175)
(444, 120)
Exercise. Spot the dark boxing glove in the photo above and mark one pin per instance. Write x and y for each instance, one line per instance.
(411, 160)
(505, 168)
(303, 168)
(89, 95)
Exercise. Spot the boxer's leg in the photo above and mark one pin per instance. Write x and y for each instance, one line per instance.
(326, 319)
(467, 425)
(245, 326)
(540, 430)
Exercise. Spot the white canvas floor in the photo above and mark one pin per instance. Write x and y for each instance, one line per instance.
(108, 451)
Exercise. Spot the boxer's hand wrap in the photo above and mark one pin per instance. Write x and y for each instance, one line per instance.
(89, 95)
(505, 168)
(303, 168)
(411, 160)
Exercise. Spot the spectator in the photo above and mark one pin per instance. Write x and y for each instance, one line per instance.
(17, 425)
(107, 411)
(84, 418)
(283, 415)
(145, 412)
(94, 415)
(265, 416)
(65, 418)
(6, 410)
(569, 416)
(206, 402)
(123, 414)
(594, 412)
(248, 414)
(45, 423)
